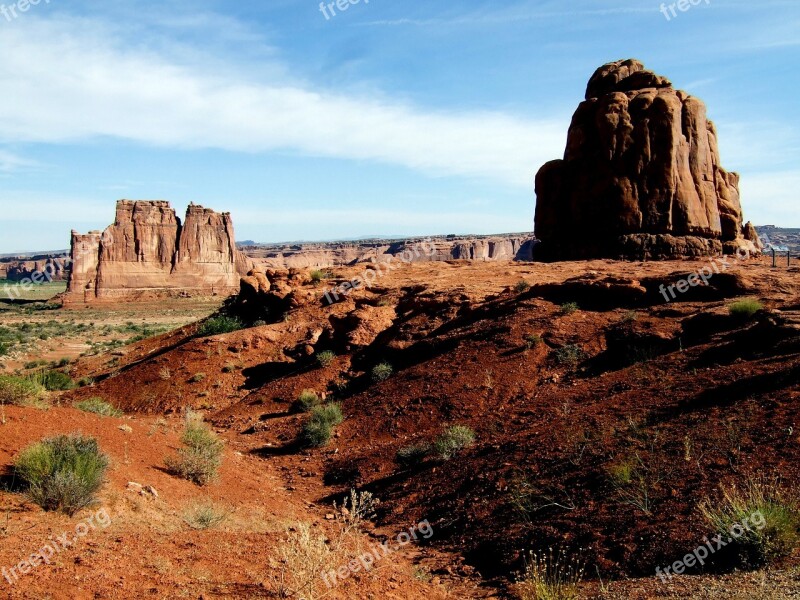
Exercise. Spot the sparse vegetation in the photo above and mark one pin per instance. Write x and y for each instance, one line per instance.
(219, 325)
(98, 406)
(630, 478)
(568, 308)
(325, 358)
(452, 440)
(62, 473)
(21, 391)
(318, 276)
(551, 576)
(411, 456)
(197, 377)
(306, 401)
(745, 309)
(522, 286)
(533, 340)
(766, 515)
(570, 355)
(382, 372)
(55, 380)
(204, 515)
(318, 429)
(200, 458)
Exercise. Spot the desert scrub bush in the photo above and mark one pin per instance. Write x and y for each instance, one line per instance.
(762, 518)
(98, 406)
(522, 286)
(229, 368)
(452, 440)
(632, 481)
(218, 325)
(306, 401)
(570, 355)
(317, 276)
(54, 381)
(411, 456)
(204, 515)
(303, 556)
(551, 576)
(318, 429)
(325, 358)
(21, 391)
(745, 309)
(533, 340)
(201, 456)
(568, 308)
(197, 377)
(382, 372)
(62, 473)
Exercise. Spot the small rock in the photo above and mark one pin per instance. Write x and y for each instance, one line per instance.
(126, 428)
(135, 487)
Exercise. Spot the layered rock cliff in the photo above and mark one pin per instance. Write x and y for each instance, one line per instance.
(641, 177)
(148, 252)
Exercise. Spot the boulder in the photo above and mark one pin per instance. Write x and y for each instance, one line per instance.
(641, 177)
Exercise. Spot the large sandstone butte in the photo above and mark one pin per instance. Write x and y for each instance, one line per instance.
(641, 177)
(148, 253)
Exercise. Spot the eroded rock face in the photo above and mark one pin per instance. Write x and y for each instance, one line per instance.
(148, 253)
(641, 177)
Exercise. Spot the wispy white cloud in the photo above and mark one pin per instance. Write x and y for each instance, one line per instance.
(10, 162)
(80, 80)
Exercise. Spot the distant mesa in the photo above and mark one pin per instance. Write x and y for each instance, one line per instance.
(640, 178)
(148, 253)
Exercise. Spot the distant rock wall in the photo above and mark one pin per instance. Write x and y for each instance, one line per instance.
(148, 253)
(42, 269)
(641, 177)
(324, 255)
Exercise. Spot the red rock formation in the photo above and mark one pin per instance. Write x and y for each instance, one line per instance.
(147, 253)
(641, 177)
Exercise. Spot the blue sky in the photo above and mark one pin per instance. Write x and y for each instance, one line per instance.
(392, 118)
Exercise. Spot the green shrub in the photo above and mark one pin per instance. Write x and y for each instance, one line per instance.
(4, 349)
(568, 308)
(200, 458)
(522, 286)
(382, 372)
(318, 276)
(55, 381)
(98, 406)
(197, 378)
(21, 391)
(204, 516)
(411, 456)
(318, 429)
(218, 325)
(452, 440)
(766, 516)
(306, 401)
(745, 309)
(533, 340)
(551, 576)
(229, 368)
(325, 358)
(62, 473)
(570, 355)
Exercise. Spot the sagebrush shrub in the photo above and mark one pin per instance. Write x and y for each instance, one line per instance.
(218, 325)
(452, 440)
(62, 473)
(200, 458)
(318, 429)
(382, 372)
(745, 309)
(21, 391)
(306, 401)
(98, 406)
